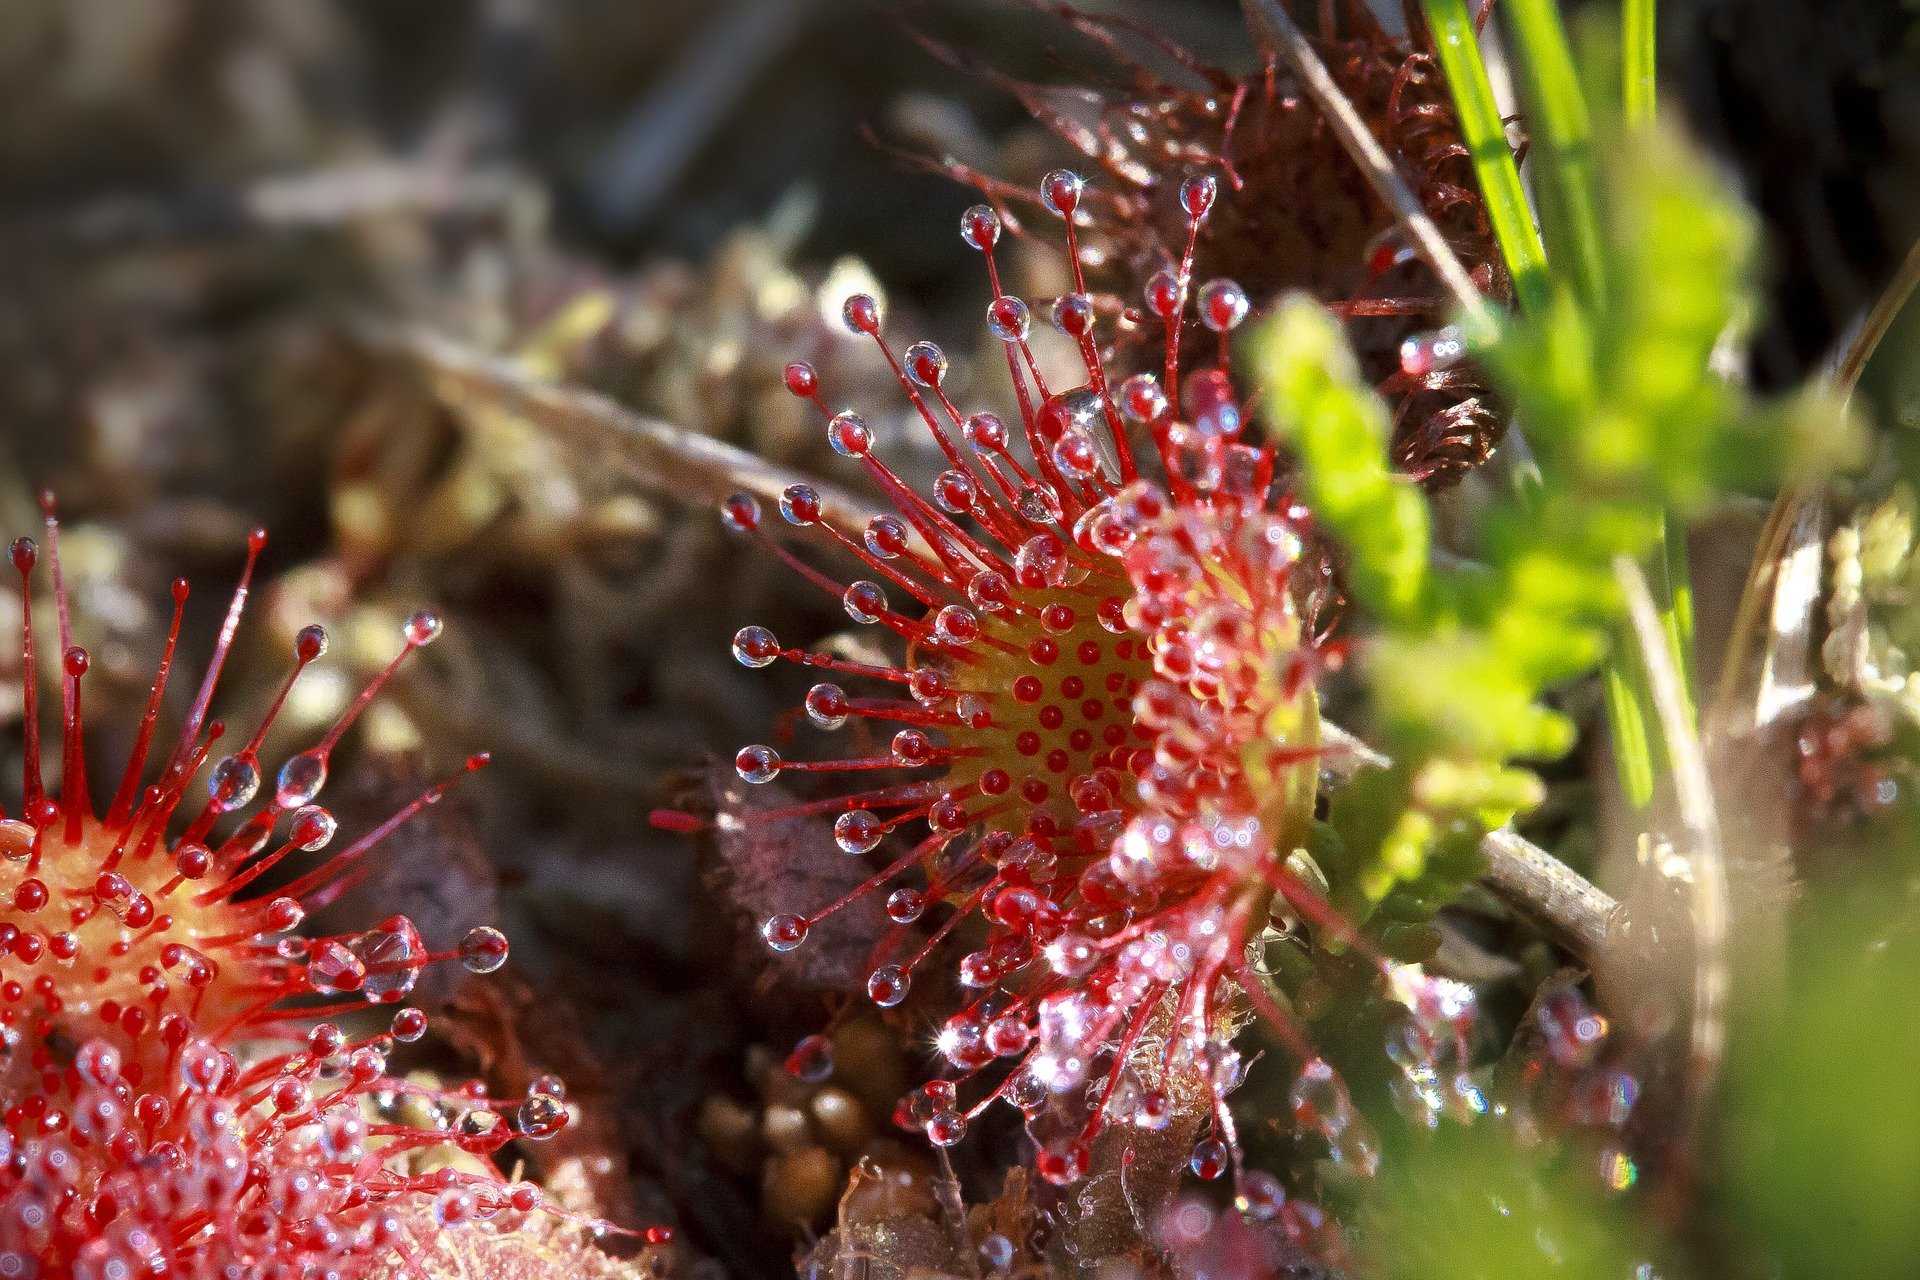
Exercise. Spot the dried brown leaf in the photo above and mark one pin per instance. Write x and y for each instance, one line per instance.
(792, 865)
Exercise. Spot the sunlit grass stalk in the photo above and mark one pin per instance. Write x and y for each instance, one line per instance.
(1485, 132)
(1673, 585)
(1637, 36)
(1626, 718)
(1562, 137)
(1560, 126)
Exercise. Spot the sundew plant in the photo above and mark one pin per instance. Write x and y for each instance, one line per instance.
(1219, 730)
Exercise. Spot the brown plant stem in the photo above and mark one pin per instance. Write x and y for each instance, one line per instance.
(1572, 910)
(1575, 911)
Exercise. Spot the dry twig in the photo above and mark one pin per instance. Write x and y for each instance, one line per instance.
(1574, 911)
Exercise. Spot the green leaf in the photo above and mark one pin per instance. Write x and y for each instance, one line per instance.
(1341, 429)
(1485, 133)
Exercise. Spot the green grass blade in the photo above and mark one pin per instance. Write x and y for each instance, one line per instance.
(1561, 129)
(1485, 133)
(1670, 572)
(1637, 36)
(1678, 616)
(1627, 723)
(1562, 133)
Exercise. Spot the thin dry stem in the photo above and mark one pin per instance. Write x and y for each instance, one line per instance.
(1278, 32)
(664, 132)
(1574, 910)
(1866, 339)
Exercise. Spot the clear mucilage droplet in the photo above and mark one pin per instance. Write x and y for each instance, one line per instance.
(757, 764)
(1038, 503)
(393, 955)
(811, 1060)
(483, 950)
(300, 780)
(312, 828)
(800, 505)
(1008, 319)
(849, 436)
(423, 627)
(858, 831)
(1223, 305)
(980, 227)
(864, 601)
(541, 1116)
(1060, 192)
(926, 364)
(955, 492)
(1429, 353)
(755, 647)
(986, 433)
(1320, 1103)
(887, 986)
(785, 932)
(234, 782)
(827, 705)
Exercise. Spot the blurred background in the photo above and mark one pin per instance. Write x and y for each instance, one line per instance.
(231, 232)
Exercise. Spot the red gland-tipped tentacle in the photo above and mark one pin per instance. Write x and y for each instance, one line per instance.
(322, 885)
(1061, 192)
(223, 644)
(129, 788)
(23, 554)
(1167, 298)
(73, 764)
(73, 662)
(1009, 318)
(913, 858)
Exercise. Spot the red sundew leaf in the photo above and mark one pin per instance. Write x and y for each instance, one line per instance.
(791, 865)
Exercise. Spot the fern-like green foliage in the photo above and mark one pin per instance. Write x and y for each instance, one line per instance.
(1618, 396)
(1629, 422)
